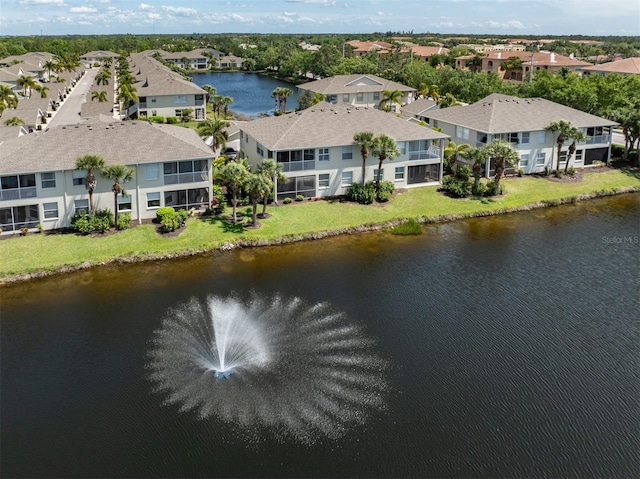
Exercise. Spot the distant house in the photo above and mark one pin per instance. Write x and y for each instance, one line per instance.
(162, 92)
(419, 52)
(98, 56)
(417, 109)
(194, 60)
(228, 62)
(628, 66)
(316, 149)
(522, 122)
(357, 90)
(362, 48)
(40, 185)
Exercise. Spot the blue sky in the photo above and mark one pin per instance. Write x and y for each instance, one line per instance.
(508, 17)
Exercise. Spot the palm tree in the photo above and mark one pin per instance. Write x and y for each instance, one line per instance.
(211, 90)
(272, 170)
(257, 186)
(479, 158)
(364, 139)
(280, 95)
(384, 147)
(427, 91)
(563, 129)
(8, 98)
(118, 174)
(511, 65)
(452, 152)
(101, 96)
(215, 103)
(576, 135)
(448, 100)
(49, 65)
(234, 175)
(90, 163)
(26, 82)
(43, 90)
(14, 121)
(389, 97)
(186, 63)
(127, 95)
(225, 101)
(103, 77)
(217, 130)
(629, 119)
(504, 155)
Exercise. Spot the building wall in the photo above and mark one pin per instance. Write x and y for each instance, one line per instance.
(166, 105)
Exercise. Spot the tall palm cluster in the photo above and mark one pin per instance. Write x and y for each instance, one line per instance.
(127, 93)
(280, 96)
(383, 146)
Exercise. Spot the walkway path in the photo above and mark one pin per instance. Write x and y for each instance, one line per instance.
(69, 111)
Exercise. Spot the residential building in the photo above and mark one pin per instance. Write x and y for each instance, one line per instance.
(417, 109)
(163, 92)
(316, 149)
(523, 122)
(628, 66)
(41, 186)
(423, 53)
(358, 90)
(194, 60)
(362, 48)
(90, 58)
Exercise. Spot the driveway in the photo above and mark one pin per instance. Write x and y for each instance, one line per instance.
(69, 111)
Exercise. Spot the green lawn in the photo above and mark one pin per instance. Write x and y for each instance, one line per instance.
(36, 252)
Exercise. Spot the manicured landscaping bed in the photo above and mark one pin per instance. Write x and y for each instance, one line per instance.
(38, 254)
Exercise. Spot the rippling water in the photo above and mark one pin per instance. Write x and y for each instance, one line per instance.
(510, 344)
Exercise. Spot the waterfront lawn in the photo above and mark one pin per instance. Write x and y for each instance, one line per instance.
(36, 252)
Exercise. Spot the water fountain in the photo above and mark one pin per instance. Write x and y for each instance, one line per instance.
(299, 370)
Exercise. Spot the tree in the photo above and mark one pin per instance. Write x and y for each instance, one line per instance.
(448, 100)
(629, 119)
(503, 155)
(217, 130)
(211, 90)
(272, 170)
(427, 91)
(564, 130)
(186, 114)
(257, 186)
(225, 101)
(118, 174)
(8, 98)
(389, 97)
(127, 95)
(186, 63)
(101, 96)
(576, 135)
(49, 65)
(103, 77)
(43, 90)
(14, 121)
(90, 163)
(364, 139)
(26, 82)
(479, 158)
(511, 65)
(234, 175)
(280, 95)
(384, 147)
(452, 152)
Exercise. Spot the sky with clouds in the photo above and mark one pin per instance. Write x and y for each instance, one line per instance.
(507, 17)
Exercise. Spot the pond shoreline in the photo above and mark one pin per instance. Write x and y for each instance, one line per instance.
(287, 239)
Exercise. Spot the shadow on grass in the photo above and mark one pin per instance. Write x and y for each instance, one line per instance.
(627, 169)
(224, 223)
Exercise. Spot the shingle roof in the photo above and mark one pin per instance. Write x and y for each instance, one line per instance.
(353, 84)
(129, 142)
(627, 66)
(418, 107)
(539, 58)
(503, 114)
(325, 125)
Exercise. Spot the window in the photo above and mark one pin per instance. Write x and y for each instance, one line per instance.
(48, 180)
(578, 158)
(79, 177)
(309, 155)
(181, 99)
(376, 172)
(153, 200)
(524, 138)
(18, 187)
(563, 156)
(376, 96)
(16, 217)
(178, 112)
(323, 154)
(399, 175)
(347, 152)
(259, 149)
(359, 97)
(512, 137)
(185, 199)
(50, 211)
(347, 178)
(323, 180)
(124, 203)
(81, 205)
(462, 132)
(345, 97)
(402, 145)
(542, 136)
(152, 171)
(524, 160)
(153, 99)
(541, 159)
(299, 185)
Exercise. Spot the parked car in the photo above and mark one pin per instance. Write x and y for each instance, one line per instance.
(230, 153)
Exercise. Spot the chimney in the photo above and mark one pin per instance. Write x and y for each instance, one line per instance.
(499, 55)
(553, 58)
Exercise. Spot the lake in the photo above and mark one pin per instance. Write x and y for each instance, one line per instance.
(504, 346)
(251, 92)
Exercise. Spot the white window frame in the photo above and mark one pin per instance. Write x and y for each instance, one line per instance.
(180, 99)
(153, 196)
(542, 137)
(79, 177)
(399, 173)
(323, 180)
(524, 137)
(124, 203)
(402, 146)
(578, 157)
(375, 174)
(376, 96)
(48, 208)
(524, 160)
(152, 171)
(347, 152)
(260, 149)
(541, 159)
(48, 180)
(345, 98)
(81, 204)
(323, 154)
(346, 178)
(462, 132)
(360, 97)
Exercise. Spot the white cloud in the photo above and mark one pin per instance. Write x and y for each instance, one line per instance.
(57, 3)
(180, 11)
(144, 6)
(319, 2)
(83, 10)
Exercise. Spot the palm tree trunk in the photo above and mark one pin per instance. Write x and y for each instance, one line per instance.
(234, 202)
(364, 168)
(254, 216)
(499, 170)
(378, 177)
(115, 204)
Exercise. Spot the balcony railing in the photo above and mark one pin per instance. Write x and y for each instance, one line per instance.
(193, 177)
(18, 193)
(596, 139)
(431, 153)
(298, 165)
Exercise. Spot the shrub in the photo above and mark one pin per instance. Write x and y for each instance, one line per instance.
(157, 119)
(24, 231)
(172, 120)
(162, 212)
(102, 220)
(287, 200)
(411, 227)
(124, 221)
(80, 223)
(299, 198)
(571, 170)
(520, 172)
(481, 190)
(456, 187)
(491, 188)
(169, 223)
(617, 151)
(385, 191)
(559, 173)
(365, 195)
(218, 201)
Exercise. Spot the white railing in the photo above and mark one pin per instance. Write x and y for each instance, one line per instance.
(192, 177)
(18, 193)
(429, 154)
(298, 165)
